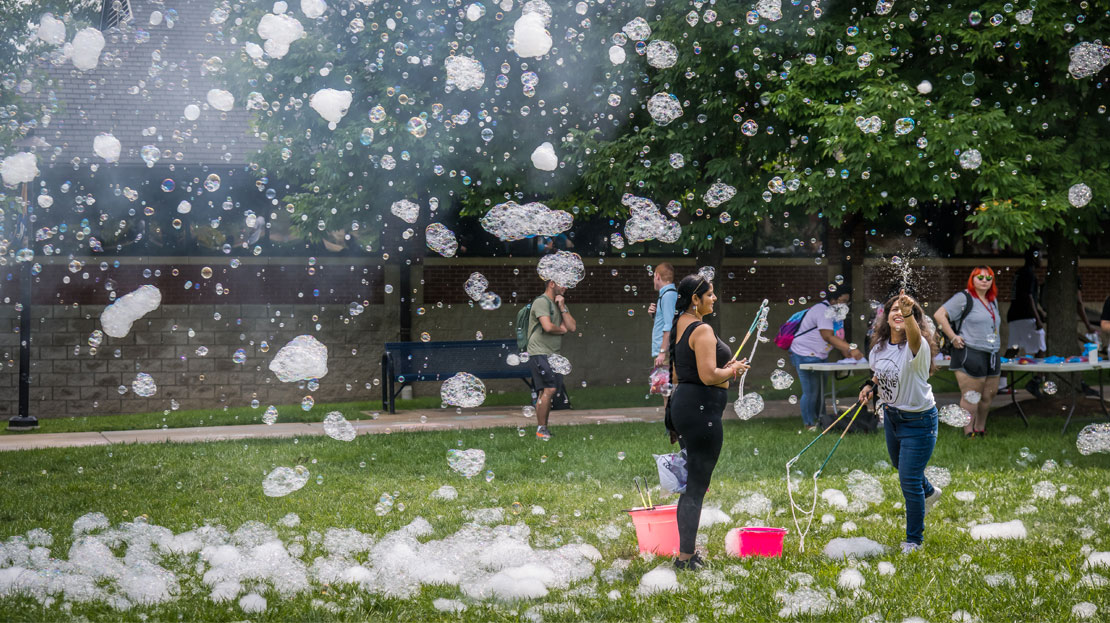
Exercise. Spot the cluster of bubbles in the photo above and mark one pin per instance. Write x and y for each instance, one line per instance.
(955, 415)
(117, 318)
(285, 480)
(406, 210)
(463, 390)
(144, 385)
(718, 193)
(338, 428)
(1087, 59)
(559, 364)
(1094, 438)
(646, 222)
(304, 358)
(441, 240)
(563, 267)
(749, 406)
(781, 379)
(664, 108)
(466, 462)
(511, 221)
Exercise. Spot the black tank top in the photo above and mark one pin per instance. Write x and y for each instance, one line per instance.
(685, 361)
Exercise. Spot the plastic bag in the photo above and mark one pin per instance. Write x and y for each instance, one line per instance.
(659, 377)
(672, 471)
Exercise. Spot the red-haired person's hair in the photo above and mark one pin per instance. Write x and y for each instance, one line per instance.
(992, 293)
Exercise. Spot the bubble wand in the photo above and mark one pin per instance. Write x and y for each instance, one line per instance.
(760, 314)
(794, 508)
(759, 325)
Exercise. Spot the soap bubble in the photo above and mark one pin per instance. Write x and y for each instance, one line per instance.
(466, 462)
(973, 397)
(661, 54)
(1079, 195)
(955, 415)
(971, 159)
(718, 193)
(463, 390)
(1049, 388)
(562, 267)
(489, 301)
(337, 427)
(528, 411)
(1087, 59)
(749, 406)
(620, 456)
(781, 379)
(559, 364)
(284, 480)
(271, 415)
(939, 476)
(441, 240)
(1094, 438)
(144, 385)
(476, 284)
(664, 108)
(302, 359)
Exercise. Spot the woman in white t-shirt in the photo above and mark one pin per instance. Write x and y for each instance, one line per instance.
(902, 360)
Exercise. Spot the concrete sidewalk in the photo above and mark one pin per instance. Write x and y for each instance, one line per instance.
(407, 421)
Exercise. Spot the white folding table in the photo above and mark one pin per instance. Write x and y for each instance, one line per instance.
(1068, 373)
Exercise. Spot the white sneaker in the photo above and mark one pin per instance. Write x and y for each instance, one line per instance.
(931, 500)
(909, 548)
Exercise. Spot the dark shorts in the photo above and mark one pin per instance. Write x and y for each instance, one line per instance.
(978, 364)
(543, 377)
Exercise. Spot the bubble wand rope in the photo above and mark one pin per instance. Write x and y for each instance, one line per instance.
(760, 322)
(794, 508)
(636, 481)
(760, 314)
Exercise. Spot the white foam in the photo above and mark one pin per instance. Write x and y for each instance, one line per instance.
(530, 38)
(117, 318)
(886, 568)
(304, 358)
(51, 30)
(1097, 560)
(253, 602)
(754, 504)
(711, 516)
(1084, 610)
(107, 147)
(331, 104)
(446, 492)
(850, 579)
(805, 600)
(853, 547)
(464, 73)
(617, 55)
(544, 158)
(85, 49)
(313, 8)
(835, 498)
(221, 100)
(279, 31)
(449, 605)
(19, 168)
(1009, 530)
(661, 579)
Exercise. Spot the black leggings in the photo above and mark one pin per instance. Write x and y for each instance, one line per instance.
(696, 416)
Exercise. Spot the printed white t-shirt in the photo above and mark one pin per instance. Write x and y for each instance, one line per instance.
(903, 377)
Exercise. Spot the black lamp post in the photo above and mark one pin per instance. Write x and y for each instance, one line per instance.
(23, 420)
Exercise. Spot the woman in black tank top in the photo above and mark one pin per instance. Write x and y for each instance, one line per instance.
(702, 366)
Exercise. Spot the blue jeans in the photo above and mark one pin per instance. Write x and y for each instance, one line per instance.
(910, 439)
(812, 400)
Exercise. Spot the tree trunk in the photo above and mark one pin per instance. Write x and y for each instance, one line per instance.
(714, 257)
(1060, 294)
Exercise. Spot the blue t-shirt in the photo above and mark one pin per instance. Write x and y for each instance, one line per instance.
(664, 316)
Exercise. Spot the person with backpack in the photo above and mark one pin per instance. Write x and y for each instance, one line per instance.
(901, 362)
(547, 321)
(970, 321)
(810, 336)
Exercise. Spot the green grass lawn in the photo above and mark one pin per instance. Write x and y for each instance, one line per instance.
(576, 477)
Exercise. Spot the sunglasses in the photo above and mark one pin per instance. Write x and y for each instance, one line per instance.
(984, 277)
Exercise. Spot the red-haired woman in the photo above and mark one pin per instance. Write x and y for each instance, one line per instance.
(971, 321)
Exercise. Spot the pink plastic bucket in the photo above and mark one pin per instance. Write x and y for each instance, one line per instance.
(758, 541)
(657, 529)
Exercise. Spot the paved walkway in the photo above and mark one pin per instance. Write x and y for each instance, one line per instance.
(407, 421)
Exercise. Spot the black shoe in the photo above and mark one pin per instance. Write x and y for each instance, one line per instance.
(1089, 391)
(1035, 389)
(694, 563)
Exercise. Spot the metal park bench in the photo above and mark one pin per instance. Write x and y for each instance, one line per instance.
(405, 363)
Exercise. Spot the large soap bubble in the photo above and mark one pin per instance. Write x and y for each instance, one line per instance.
(441, 240)
(511, 221)
(284, 480)
(405, 210)
(117, 318)
(749, 406)
(647, 222)
(466, 462)
(337, 427)
(562, 267)
(464, 73)
(463, 390)
(664, 108)
(304, 358)
(1087, 59)
(1094, 438)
